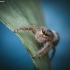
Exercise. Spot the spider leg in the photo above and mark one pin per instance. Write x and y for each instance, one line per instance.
(32, 28)
(53, 53)
(44, 50)
(25, 28)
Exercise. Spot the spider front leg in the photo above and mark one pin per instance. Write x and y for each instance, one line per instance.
(32, 28)
(44, 50)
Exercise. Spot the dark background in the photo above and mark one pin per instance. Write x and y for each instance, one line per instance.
(13, 55)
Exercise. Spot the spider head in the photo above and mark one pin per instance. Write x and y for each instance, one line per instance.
(48, 33)
(44, 35)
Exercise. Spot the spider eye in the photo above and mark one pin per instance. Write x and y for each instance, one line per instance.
(49, 32)
(44, 32)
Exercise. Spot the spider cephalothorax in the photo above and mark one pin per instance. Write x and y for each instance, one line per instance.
(42, 35)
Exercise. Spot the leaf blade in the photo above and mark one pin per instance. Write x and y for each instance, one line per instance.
(18, 13)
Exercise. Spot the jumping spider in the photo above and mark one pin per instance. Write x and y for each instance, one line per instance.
(43, 35)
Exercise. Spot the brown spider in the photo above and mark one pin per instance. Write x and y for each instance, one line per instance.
(43, 35)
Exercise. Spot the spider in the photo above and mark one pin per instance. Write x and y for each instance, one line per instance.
(43, 35)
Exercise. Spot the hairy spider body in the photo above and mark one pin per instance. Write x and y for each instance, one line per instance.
(40, 37)
(48, 44)
(43, 35)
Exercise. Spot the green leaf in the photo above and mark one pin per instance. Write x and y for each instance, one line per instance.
(21, 13)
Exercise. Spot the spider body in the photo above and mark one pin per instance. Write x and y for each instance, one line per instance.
(40, 37)
(43, 35)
